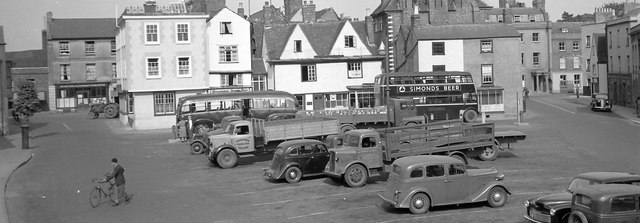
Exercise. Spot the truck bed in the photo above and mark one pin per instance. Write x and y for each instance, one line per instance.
(351, 116)
(297, 128)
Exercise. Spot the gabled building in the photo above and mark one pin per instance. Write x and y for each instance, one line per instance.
(320, 62)
(229, 46)
(81, 61)
(161, 56)
(488, 51)
(566, 51)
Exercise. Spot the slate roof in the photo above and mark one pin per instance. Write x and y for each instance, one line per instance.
(28, 58)
(515, 11)
(465, 31)
(574, 27)
(323, 12)
(257, 66)
(392, 5)
(99, 28)
(321, 36)
(259, 15)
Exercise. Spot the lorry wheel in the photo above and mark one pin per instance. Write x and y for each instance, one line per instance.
(489, 154)
(356, 175)
(227, 158)
(200, 128)
(420, 203)
(293, 174)
(470, 115)
(197, 148)
(577, 217)
(460, 157)
(346, 128)
(497, 197)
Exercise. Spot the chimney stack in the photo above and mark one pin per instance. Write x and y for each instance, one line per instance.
(150, 6)
(241, 10)
(368, 21)
(267, 12)
(308, 12)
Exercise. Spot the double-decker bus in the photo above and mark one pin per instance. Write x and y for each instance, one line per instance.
(207, 110)
(437, 95)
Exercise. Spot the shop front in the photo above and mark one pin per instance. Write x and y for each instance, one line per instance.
(80, 95)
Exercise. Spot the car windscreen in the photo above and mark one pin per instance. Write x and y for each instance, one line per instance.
(577, 183)
(351, 140)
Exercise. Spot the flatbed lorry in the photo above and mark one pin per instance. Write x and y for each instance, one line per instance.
(246, 138)
(364, 152)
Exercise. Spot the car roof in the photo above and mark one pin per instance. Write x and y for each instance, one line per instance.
(287, 144)
(425, 159)
(608, 190)
(607, 177)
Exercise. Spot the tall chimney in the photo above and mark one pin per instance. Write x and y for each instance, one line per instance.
(44, 39)
(267, 13)
(150, 6)
(308, 12)
(241, 10)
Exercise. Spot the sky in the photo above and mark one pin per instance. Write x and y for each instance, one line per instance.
(23, 20)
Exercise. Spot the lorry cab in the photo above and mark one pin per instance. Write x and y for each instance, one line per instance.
(239, 137)
(359, 157)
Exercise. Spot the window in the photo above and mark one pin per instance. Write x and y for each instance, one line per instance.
(64, 49)
(563, 80)
(417, 173)
(349, 42)
(588, 42)
(130, 103)
(536, 58)
(564, 30)
(225, 28)
(91, 71)
(627, 35)
(623, 204)
(587, 65)
(182, 32)
(308, 73)
(618, 39)
(576, 79)
(437, 48)
(535, 37)
(259, 83)
(354, 70)
(500, 18)
(153, 67)
(114, 70)
(516, 18)
(486, 46)
(151, 33)
(487, 73)
(563, 63)
(532, 18)
(89, 48)
(297, 46)
(583, 200)
(521, 37)
(456, 169)
(522, 59)
(184, 66)
(576, 45)
(64, 72)
(561, 46)
(164, 103)
(231, 80)
(435, 171)
(293, 152)
(576, 62)
(439, 67)
(229, 54)
(113, 47)
(336, 100)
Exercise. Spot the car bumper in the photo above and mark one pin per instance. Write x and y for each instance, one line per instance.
(387, 200)
(533, 220)
(268, 172)
(332, 174)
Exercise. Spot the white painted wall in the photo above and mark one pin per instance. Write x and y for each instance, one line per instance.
(307, 49)
(360, 48)
(332, 77)
(144, 117)
(241, 36)
(453, 57)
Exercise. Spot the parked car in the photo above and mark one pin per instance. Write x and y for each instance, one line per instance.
(420, 182)
(297, 158)
(556, 208)
(600, 102)
(610, 203)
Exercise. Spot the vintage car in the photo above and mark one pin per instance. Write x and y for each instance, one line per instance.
(297, 158)
(605, 203)
(600, 102)
(555, 208)
(420, 182)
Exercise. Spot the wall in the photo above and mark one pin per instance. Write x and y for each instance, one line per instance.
(453, 59)
(241, 36)
(339, 48)
(331, 77)
(307, 49)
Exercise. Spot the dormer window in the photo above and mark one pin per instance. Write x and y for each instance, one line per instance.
(297, 46)
(564, 30)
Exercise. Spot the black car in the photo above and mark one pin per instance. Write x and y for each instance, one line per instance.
(297, 158)
(600, 102)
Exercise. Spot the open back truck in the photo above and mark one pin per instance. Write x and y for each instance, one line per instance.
(245, 138)
(364, 152)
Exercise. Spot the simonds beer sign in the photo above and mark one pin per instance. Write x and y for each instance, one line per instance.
(430, 88)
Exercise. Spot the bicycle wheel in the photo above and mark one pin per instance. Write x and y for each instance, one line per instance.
(95, 197)
(113, 194)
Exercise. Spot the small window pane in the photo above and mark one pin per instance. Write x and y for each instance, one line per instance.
(435, 171)
(416, 173)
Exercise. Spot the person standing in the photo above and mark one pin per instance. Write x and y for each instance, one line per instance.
(638, 106)
(118, 175)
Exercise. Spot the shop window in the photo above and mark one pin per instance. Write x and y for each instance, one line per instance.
(164, 103)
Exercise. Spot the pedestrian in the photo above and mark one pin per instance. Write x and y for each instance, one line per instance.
(638, 106)
(118, 175)
(526, 92)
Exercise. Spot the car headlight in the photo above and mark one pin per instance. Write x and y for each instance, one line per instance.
(500, 176)
(552, 211)
(526, 203)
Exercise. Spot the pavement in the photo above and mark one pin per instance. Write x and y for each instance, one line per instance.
(624, 112)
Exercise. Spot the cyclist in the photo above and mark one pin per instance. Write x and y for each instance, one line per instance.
(118, 175)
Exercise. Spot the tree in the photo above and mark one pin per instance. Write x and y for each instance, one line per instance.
(618, 7)
(566, 17)
(26, 102)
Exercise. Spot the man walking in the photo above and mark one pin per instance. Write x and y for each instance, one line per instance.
(118, 174)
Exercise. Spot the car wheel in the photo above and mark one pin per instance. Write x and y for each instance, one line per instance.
(227, 158)
(293, 174)
(577, 217)
(197, 148)
(200, 128)
(489, 153)
(420, 203)
(356, 175)
(497, 197)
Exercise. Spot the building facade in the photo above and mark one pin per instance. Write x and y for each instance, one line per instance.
(619, 50)
(596, 81)
(324, 64)
(161, 56)
(81, 61)
(566, 45)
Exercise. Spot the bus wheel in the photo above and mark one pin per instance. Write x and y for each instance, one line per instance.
(200, 128)
(489, 153)
(227, 158)
(470, 115)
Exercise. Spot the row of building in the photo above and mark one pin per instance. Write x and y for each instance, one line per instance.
(152, 55)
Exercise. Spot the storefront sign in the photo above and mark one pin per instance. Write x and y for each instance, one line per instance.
(429, 88)
(82, 85)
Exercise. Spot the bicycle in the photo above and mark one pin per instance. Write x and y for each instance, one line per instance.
(97, 193)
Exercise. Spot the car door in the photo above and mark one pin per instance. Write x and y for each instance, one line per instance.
(436, 182)
(457, 188)
(243, 139)
(305, 154)
(320, 158)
